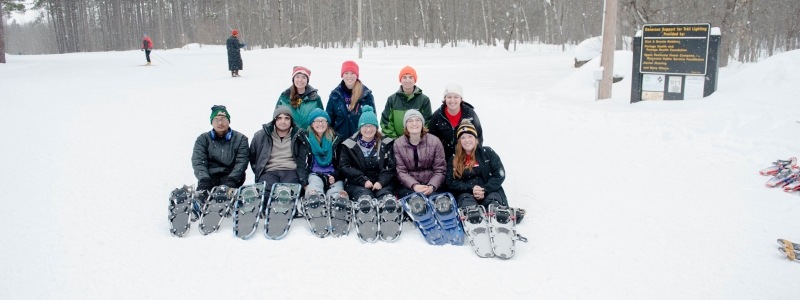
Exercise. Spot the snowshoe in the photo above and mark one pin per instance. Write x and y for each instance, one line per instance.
(341, 214)
(315, 211)
(366, 219)
(180, 210)
(421, 212)
(216, 208)
(791, 250)
(779, 165)
(476, 228)
(390, 216)
(247, 209)
(502, 223)
(782, 177)
(447, 217)
(280, 209)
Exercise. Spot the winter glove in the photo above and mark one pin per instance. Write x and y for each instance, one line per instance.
(204, 184)
(230, 182)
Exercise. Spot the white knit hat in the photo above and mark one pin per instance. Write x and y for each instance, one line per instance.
(454, 88)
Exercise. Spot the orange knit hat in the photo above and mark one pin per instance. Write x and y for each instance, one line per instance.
(407, 70)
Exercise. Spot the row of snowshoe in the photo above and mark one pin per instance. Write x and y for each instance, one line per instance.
(246, 204)
(785, 173)
(491, 234)
(791, 250)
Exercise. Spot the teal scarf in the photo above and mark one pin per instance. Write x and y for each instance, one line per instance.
(322, 153)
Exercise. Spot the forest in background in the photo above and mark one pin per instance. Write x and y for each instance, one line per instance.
(751, 29)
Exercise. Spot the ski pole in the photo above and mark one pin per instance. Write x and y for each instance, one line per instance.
(161, 58)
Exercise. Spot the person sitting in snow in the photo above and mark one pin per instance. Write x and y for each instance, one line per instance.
(220, 156)
(367, 159)
(419, 158)
(301, 98)
(475, 174)
(272, 151)
(318, 162)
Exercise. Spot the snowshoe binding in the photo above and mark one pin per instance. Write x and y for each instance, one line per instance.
(341, 214)
(315, 211)
(476, 228)
(216, 208)
(446, 213)
(421, 212)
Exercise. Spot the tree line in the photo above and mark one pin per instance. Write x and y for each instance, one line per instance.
(751, 28)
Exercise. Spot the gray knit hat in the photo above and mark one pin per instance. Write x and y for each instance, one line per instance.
(282, 109)
(410, 114)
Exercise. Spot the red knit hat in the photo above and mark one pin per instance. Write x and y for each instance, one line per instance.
(301, 70)
(407, 70)
(349, 66)
(234, 32)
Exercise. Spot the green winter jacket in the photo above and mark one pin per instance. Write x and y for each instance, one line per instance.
(299, 114)
(396, 107)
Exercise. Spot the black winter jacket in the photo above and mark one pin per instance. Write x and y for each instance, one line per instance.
(488, 174)
(305, 158)
(261, 147)
(220, 156)
(441, 128)
(352, 162)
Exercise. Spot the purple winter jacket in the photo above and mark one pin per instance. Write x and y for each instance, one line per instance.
(431, 166)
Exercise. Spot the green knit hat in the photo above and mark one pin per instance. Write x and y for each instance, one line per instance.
(368, 116)
(219, 110)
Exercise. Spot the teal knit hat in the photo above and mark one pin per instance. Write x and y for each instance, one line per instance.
(316, 113)
(368, 116)
(219, 110)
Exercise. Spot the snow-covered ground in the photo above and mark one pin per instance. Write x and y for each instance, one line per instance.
(655, 200)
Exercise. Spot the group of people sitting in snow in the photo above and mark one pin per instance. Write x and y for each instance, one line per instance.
(342, 148)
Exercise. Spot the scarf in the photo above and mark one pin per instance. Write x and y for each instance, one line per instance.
(323, 154)
(365, 144)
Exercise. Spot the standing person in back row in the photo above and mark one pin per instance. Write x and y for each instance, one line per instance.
(346, 102)
(147, 46)
(234, 57)
(448, 117)
(408, 97)
(301, 97)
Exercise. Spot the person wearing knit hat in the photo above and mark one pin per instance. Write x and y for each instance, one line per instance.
(233, 45)
(147, 46)
(219, 156)
(475, 173)
(419, 158)
(409, 96)
(273, 152)
(446, 119)
(347, 101)
(368, 164)
(301, 97)
(318, 160)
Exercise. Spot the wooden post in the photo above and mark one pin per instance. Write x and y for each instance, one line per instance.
(607, 56)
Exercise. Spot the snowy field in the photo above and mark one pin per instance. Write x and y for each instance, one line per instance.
(655, 200)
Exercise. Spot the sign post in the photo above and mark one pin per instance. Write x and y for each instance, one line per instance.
(674, 62)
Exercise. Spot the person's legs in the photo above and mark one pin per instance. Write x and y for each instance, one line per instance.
(315, 185)
(494, 197)
(335, 188)
(466, 199)
(147, 55)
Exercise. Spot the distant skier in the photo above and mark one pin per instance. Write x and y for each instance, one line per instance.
(234, 57)
(147, 46)
(409, 96)
(301, 97)
(220, 156)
